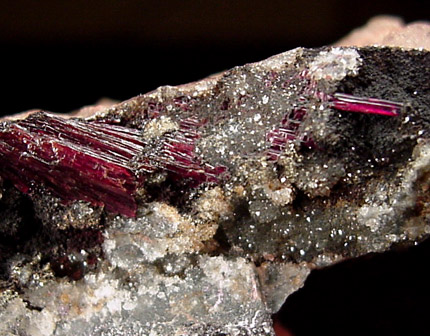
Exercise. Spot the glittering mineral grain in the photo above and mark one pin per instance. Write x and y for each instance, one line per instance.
(234, 188)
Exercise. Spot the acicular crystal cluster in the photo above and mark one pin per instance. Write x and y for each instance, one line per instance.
(104, 164)
(99, 163)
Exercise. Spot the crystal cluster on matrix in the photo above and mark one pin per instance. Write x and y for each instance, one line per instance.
(96, 162)
(290, 131)
(229, 191)
(104, 164)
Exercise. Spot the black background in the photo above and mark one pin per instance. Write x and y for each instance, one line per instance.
(60, 55)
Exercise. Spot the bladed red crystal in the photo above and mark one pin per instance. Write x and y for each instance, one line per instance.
(351, 103)
(95, 162)
(289, 130)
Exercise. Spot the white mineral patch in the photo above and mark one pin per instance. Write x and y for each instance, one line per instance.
(17, 317)
(212, 205)
(158, 126)
(159, 229)
(385, 205)
(235, 276)
(417, 168)
(335, 64)
(280, 61)
(217, 291)
(280, 196)
(279, 280)
(374, 216)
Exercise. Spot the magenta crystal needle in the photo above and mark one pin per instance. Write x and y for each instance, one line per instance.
(351, 103)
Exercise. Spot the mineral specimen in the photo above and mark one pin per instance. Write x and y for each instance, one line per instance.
(220, 195)
(104, 164)
(99, 163)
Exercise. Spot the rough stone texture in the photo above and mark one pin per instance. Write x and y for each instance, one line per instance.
(137, 300)
(219, 258)
(389, 31)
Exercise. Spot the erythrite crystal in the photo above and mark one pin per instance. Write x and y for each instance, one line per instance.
(290, 125)
(74, 159)
(346, 102)
(289, 131)
(308, 184)
(99, 163)
(104, 164)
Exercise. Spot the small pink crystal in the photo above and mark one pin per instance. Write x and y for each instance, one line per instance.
(350, 103)
(290, 131)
